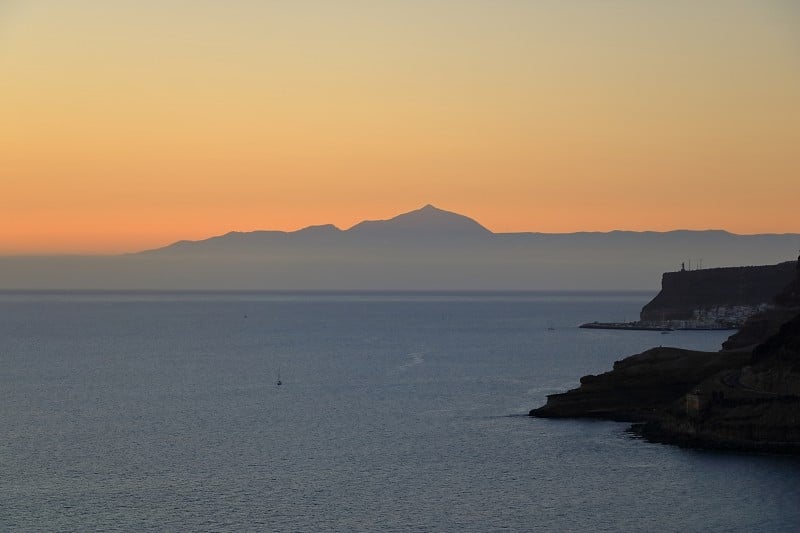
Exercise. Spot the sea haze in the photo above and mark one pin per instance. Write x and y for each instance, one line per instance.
(428, 248)
(397, 411)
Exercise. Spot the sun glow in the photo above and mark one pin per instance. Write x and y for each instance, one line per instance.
(129, 125)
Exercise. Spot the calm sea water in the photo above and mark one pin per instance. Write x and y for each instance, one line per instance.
(398, 411)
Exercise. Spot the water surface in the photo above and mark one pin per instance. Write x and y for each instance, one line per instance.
(398, 411)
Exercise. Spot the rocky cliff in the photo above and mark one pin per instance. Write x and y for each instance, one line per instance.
(755, 407)
(717, 296)
(745, 397)
(766, 323)
(639, 386)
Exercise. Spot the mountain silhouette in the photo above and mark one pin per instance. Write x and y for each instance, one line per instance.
(426, 221)
(427, 248)
(428, 225)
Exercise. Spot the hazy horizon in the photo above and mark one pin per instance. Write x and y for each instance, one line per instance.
(425, 249)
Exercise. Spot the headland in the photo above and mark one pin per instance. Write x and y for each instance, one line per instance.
(745, 397)
(709, 299)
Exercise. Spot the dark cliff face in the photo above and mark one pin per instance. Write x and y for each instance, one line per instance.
(757, 328)
(639, 386)
(744, 399)
(782, 350)
(790, 295)
(767, 323)
(737, 400)
(755, 407)
(684, 292)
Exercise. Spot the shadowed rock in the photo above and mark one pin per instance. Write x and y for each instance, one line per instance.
(744, 399)
(639, 385)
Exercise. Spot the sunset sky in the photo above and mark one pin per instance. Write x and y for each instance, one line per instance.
(127, 125)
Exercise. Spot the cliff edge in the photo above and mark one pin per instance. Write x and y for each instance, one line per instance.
(716, 296)
(755, 407)
(745, 397)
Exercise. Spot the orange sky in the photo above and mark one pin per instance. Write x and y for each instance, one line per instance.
(131, 124)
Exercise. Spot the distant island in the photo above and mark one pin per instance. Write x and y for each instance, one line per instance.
(714, 298)
(745, 397)
(424, 249)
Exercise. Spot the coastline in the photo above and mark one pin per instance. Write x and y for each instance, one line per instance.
(744, 397)
(655, 433)
(643, 326)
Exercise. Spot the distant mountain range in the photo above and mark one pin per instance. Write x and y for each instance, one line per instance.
(426, 226)
(425, 249)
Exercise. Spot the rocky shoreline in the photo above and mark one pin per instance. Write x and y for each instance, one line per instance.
(685, 436)
(647, 326)
(639, 386)
(745, 397)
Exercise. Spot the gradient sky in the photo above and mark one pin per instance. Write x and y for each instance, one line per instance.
(127, 125)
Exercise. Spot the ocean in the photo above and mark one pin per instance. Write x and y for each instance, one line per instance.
(397, 412)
